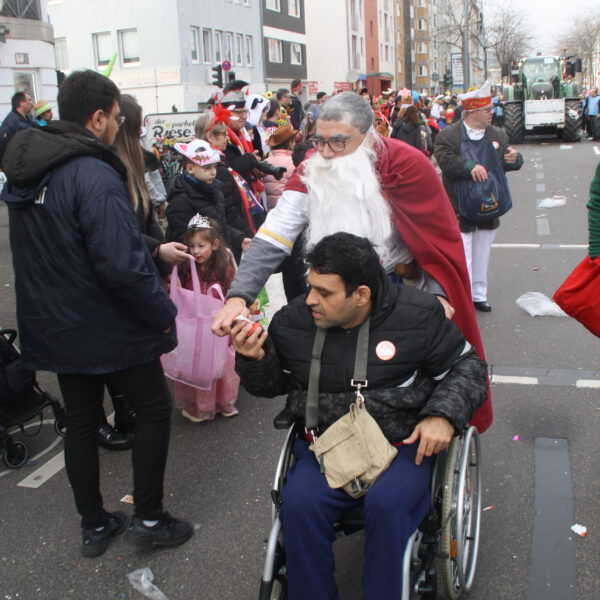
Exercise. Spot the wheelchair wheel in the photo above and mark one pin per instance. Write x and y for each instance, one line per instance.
(15, 454)
(461, 512)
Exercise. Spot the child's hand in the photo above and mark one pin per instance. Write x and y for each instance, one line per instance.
(248, 339)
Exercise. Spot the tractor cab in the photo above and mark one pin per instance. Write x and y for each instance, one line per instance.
(541, 77)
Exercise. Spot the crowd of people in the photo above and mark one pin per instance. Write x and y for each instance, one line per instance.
(345, 186)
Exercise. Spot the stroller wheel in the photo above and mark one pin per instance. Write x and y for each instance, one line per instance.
(15, 454)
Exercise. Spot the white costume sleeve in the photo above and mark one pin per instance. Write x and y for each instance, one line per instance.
(286, 221)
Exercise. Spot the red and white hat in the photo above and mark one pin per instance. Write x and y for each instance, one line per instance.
(477, 99)
(199, 152)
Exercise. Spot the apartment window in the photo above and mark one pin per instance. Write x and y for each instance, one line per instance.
(103, 48)
(294, 8)
(128, 46)
(227, 46)
(399, 68)
(362, 46)
(239, 49)
(275, 50)
(218, 46)
(248, 47)
(296, 54)
(422, 24)
(246, 2)
(273, 5)
(195, 44)
(60, 54)
(206, 45)
(421, 3)
(422, 48)
(423, 70)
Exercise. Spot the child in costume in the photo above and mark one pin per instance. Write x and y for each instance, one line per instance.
(215, 265)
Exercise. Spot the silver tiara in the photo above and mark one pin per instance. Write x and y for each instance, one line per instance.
(200, 222)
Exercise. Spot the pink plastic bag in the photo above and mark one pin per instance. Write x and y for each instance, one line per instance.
(200, 356)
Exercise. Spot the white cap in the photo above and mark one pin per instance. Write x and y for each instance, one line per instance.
(199, 152)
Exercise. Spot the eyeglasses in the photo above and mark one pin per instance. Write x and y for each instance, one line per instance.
(336, 144)
(487, 109)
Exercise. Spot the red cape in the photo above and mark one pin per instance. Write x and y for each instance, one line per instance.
(427, 225)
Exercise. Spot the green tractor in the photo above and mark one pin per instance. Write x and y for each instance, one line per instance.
(540, 100)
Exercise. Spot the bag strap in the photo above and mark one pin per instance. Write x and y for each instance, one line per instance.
(311, 413)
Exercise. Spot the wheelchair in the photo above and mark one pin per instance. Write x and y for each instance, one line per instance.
(441, 555)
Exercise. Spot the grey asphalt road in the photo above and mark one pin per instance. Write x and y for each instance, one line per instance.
(219, 473)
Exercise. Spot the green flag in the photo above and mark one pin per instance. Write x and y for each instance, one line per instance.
(110, 65)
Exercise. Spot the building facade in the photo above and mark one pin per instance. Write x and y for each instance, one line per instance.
(284, 42)
(27, 52)
(166, 50)
(335, 55)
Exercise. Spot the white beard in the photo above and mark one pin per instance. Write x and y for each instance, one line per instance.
(345, 195)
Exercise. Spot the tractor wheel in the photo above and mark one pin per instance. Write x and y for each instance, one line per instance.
(514, 124)
(573, 121)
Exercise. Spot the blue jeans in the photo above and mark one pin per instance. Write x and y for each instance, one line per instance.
(393, 508)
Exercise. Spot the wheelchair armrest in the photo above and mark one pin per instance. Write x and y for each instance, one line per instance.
(284, 420)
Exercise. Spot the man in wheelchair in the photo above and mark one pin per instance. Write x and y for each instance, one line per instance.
(424, 384)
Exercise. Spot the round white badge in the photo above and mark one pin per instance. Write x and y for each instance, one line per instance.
(385, 350)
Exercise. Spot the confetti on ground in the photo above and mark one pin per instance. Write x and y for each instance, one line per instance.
(579, 529)
(487, 508)
(515, 438)
(128, 499)
(535, 268)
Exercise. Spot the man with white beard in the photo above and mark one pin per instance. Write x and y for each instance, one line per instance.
(373, 187)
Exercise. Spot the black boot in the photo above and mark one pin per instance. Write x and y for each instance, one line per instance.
(111, 439)
(124, 414)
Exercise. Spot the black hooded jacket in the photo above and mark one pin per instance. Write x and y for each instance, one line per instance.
(432, 371)
(89, 297)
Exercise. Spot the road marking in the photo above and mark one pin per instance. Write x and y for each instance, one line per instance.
(540, 187)
(552, 572)
(587, 383)
(542, 226)
(596, 150)
(542, 246)
(515, 379)
(539, 175)
(45, 472)
(578, 378)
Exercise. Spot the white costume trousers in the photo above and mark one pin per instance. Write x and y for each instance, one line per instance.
(478, 245)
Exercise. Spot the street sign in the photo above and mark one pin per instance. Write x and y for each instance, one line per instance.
(226, 65)
(456, 67)
(435, 76)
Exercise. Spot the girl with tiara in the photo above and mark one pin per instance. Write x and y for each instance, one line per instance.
(214, 264)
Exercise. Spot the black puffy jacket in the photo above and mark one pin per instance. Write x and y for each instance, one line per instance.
(89, 297)
(187, 198)
(402, 390)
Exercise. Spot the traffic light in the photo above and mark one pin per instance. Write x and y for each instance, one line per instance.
(217, 76)
(230, 76)
(447, 80)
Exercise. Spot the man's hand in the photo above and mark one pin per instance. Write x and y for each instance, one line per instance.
(173, 253)
(246, 244)
(448, 308)
(479, 173)
(222, 322)
(510, 156)
(248, 339)
(435, 434)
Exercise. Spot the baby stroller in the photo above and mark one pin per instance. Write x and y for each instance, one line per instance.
(21, 400)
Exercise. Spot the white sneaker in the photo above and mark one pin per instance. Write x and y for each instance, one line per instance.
(186, 414)
(231, 413)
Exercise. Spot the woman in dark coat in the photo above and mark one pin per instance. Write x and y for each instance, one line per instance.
(407, 127)
(128, 148)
